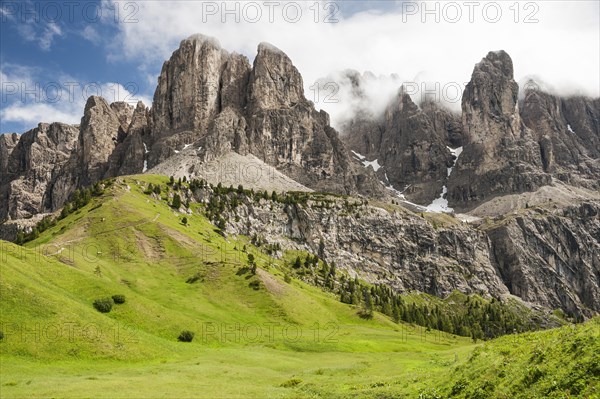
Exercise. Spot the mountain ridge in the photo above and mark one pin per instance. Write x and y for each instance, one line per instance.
(210, 104)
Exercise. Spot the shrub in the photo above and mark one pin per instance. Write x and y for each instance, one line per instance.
(118, 299)
(194, 278)
(287, 278)
(1, 335)
(291, 383)
(255, 285)
(365, 314)
(459, 386)
(184, 221)
(533, 375)
(176, 201)
(103, 305)
(186, 336)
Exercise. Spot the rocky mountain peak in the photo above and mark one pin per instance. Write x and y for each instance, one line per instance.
(489, 102)
(513, 147)
(274, 82)
(209, 102)
(218, 102)
(401, 103)
(187, 95)
(496, 61)
(98, 137)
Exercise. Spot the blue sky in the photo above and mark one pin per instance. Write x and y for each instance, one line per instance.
(67, 49)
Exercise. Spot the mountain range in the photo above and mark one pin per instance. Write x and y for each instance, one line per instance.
(520, 170)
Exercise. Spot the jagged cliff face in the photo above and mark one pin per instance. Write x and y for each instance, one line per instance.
(216, 101)
(509, 146)
(99, 129)
(446, 124)
(567, 132)
(33, 167)
(188, 92)
(415, 156)
(551, 258)
(41, 168)
(7, 143)
(514, 148)
(500, 154)
(409, 143)
(546, 256)
(206, 97)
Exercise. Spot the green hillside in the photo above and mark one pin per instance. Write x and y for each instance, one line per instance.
(256, 334)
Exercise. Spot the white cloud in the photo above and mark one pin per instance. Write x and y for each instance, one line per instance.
(42, 33)
(28, 98)
(562, 48)
(33, 113)
(90, 33)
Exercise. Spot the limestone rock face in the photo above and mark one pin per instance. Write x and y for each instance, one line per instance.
(416, 155)
(546, 257)
(500, 153)
(100, 127)
(407, 143)
(129, 155)
(363, 135)
(551, 258)
(33, 167)
(446, 124)
(509, 145)
(124, 113)
(188, 92)
(234, 81)
(567, 130)
(513, 148)
(206, 97)
(275, 83)
(217, 102)
(41, 168)
(490, 100)
(7, 143)
(583, 116)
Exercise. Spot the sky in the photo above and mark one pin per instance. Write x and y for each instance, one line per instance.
(54, 54)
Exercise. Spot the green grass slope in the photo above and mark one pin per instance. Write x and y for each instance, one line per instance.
(255, 335)
(558, 363)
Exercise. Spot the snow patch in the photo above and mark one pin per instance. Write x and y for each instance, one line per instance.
(145, 167)
(570, 129)
(441, 204)
(374, 164)
(360, 157)
(176, 152)
(456, 153)
(393, 190)
(186, 146)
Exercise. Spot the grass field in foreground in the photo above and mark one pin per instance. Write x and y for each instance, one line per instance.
(283, 339)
